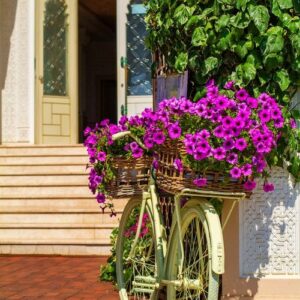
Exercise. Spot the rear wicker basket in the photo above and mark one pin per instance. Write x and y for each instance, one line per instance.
(172, 181)
(131, 176)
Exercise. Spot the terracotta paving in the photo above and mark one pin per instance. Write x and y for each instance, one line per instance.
(53, 277)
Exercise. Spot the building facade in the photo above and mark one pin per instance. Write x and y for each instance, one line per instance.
(66, 64)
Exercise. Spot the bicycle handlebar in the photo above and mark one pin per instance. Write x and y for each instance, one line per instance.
(122, 134)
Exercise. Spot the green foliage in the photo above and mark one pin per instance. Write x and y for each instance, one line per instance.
(256, 43)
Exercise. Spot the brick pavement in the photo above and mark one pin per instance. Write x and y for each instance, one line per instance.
(53, 277)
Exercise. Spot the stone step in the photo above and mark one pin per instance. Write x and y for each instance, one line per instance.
(59, 217)
(47, 191)
(52, 233)
(70, 169)
(43, 160)
(43, 150)
(57, 204)
(37, 180)
(58, 247)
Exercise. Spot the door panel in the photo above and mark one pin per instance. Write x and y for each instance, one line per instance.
(56, 72)
(134, 59)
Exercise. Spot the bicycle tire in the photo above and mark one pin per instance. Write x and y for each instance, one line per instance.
(128, 269)
(197, 267)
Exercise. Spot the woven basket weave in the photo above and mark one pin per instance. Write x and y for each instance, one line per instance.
(131, 176)
(172, 181)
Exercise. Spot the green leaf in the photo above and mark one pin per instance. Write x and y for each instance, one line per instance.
(240, 20)
(183, 13)
(276, 9)
(181, 62)
(260, 16)
(222, 22)
(285, 4)
(210, 64)
(283, 79)
(246, 72)
(273, 61)
(295, 39)
(275, 40)
(241, 4)
(193, 22)
(241, 50)
(199, 37)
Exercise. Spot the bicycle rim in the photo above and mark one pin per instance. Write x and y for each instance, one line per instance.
(136, 275)
(195, 280)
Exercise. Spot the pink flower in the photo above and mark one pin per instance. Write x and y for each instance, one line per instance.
(178, 165)
(268, 187)
(174, 131)
(200, 182)
(247, 170)
(241, 144)
(293, 123)
(101, 156)
(235, 172)
(229, 85)
(219, 153)
(249, 185)
(100, 198)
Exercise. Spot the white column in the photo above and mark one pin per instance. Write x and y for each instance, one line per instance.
(17, 97)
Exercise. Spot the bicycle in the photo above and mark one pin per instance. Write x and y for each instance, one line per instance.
(189, 263)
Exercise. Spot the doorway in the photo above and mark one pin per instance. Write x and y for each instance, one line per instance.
(97, 62)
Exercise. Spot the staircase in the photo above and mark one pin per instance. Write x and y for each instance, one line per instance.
(46, 206)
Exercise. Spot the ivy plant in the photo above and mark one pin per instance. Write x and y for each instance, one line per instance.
(255, 43)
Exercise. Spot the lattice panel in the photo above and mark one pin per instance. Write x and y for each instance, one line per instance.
(139, 57)
(269, 230)
(55, 48)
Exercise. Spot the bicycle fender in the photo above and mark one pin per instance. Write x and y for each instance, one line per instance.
(216, 234)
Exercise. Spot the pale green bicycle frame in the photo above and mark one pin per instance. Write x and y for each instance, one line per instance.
(197, 198)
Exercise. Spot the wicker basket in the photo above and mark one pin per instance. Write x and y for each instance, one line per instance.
(131, 176)
(172, 181)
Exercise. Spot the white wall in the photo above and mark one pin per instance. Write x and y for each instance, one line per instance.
(17, 72)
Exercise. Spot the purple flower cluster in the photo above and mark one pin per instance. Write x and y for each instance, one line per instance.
(233, 134)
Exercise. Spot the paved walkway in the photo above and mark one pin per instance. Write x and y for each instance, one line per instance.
(53, 277)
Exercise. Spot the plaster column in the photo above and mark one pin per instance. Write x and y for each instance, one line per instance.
(17, 71)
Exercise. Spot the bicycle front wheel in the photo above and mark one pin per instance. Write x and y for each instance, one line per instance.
(136, 275)
(194, 277)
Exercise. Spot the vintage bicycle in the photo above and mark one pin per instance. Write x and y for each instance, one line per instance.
(186, 263)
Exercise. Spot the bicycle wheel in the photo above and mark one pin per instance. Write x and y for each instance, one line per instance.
(196, 279)
(136, 274)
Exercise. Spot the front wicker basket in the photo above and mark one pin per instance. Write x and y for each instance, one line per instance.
(172, 181)
(131, 176)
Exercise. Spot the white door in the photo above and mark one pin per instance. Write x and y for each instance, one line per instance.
(133, 59)
(56, 72)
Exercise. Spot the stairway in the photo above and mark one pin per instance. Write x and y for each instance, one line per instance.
(46, 206)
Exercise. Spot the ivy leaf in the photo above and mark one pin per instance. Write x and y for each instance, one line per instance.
(283, 79)
(183, 13)
(295, 39)
(241, 4)
(240, 20)
(181, 62)
(210, 63)
(241, 50)
(275, 40)
(222, 22)
(193, 22)
(260, 16)
(276, 9)
(246, 72)
(273, 61)
(285, 4)
(199, 37)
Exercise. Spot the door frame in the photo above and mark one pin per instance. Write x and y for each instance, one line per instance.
(72, 70)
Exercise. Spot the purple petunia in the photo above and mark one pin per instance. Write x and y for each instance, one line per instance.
(249, 185)
(247, 170)
(232, 158)
(229, 85)
(236, 172)
(241, 144)
(200, 182)
(268, 187)
(174, 131)
(178, 165)
(241, 95)
(100, 198)
(101, 156)
(219, 153)
(159, 138)
(137, 152)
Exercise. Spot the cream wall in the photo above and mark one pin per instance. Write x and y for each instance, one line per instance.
(17, 71)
